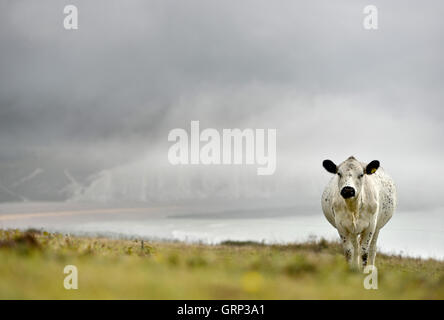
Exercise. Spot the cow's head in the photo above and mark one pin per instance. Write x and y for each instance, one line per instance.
(351, 174)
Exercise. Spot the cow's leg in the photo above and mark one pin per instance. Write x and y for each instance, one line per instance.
(351, 249)
(366, 240)
(356, 260)
(347, 246)
(372, 249)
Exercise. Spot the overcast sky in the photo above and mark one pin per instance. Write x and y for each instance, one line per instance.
(91, 109)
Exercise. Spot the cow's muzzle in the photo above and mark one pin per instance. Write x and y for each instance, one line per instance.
(348, 192)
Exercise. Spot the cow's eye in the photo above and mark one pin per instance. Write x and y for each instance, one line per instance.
(340, 175)
(361, 175)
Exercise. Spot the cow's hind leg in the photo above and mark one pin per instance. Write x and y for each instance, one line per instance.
(372, 249)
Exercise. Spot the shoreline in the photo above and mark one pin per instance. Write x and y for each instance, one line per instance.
(110, 235)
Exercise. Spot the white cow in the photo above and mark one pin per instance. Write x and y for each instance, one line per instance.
(358, 201)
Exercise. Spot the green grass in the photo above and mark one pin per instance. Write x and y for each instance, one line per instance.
(31, 267)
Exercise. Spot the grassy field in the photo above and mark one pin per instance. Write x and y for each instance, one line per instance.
(32, 264)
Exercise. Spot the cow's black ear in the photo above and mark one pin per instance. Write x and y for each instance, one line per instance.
(330, 166)
(372, 167)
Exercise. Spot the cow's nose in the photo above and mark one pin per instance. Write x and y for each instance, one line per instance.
(347, 192)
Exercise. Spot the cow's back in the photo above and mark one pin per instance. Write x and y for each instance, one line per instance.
(328, 195)
(387, 197)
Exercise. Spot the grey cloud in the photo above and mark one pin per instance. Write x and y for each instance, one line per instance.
(105, 96)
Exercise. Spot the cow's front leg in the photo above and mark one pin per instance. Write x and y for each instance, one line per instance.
(366, 238)
(366, 241)
(372, 250)
(350, 245)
